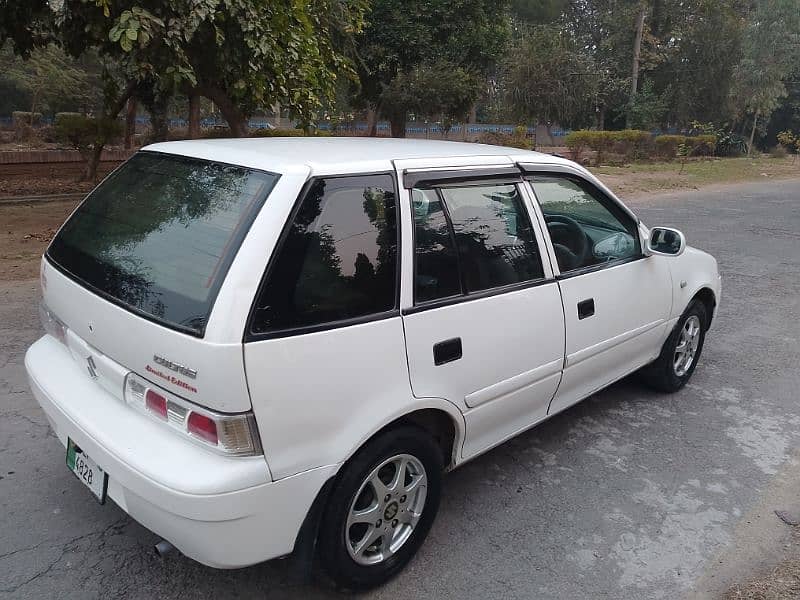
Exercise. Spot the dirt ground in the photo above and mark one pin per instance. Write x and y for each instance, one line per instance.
(35, 179)
(640, 179)
(781, 583)
(25, 230)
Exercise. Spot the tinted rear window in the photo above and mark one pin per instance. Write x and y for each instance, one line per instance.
(159, 235)
(338, 260)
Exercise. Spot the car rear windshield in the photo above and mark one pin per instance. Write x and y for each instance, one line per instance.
(159, 234)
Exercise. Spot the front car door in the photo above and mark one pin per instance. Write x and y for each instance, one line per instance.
(616, 300)
(483, 322)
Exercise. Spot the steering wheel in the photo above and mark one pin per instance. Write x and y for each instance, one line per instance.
(569, 241)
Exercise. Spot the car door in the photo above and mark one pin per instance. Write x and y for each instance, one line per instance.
(616, 299)
(484, 323)
(324, 352)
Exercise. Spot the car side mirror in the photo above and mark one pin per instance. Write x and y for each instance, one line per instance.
(666, 241)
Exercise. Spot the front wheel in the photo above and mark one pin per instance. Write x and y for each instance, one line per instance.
(381, 508)
(680, 353)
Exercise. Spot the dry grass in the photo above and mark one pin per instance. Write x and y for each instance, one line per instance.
(638, 179)
(782, 583)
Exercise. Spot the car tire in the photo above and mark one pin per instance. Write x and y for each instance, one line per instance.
(348, 550)
(668, 373)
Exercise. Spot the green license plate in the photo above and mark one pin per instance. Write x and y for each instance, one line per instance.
(87, 471)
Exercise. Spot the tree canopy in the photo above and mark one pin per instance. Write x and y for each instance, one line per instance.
(650, 64)
(404, 42)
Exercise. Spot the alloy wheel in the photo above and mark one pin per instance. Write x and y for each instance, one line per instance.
(386, 509)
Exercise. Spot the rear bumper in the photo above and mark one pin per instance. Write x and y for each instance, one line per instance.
(221, 511)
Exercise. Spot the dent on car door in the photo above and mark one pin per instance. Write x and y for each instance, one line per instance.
(486, 329)
(616, 300)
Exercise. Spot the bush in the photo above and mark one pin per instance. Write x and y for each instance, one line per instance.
(215, 133)
(666, 146)
(633, 144)
(789, 141)
(21, 117)
(288, 133)
(47, 133)
(702, 145)
(82, 132)
(778, 151)
(515, 140)
(578, 142)
(66, 115)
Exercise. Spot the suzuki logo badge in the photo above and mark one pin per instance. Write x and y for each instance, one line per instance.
(91, 367)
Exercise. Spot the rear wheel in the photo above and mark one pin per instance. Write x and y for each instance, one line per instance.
(680, 353)
(381, 508)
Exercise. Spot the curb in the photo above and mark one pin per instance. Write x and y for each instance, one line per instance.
(46, 198)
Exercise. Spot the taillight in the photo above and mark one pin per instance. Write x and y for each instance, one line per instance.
(156, 403)
(203, 427)
(234, 435)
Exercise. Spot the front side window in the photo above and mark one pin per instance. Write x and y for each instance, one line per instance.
(494, 237)
(586, 228)
(159, 234)
(338, 259)
(471, 239)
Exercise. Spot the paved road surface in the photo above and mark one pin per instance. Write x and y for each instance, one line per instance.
(628, 495)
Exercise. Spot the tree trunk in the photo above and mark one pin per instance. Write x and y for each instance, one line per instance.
(130, 123)
(601, 118)
(235, 118)
(752, 133)
(194, 115)
(34, 97)
(637, 50)
(473, 113)
(93, 163)
(372, 120)
(107, 112)
(159, 121)
(398, 125)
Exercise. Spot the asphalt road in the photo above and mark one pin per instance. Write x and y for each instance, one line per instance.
(628, 495)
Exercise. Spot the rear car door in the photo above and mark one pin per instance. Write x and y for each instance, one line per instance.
(484, 323)
(324, 348)
(616, 299)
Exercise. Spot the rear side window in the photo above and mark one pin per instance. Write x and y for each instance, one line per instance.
(159, 235)
(338, 258)
(435, 263)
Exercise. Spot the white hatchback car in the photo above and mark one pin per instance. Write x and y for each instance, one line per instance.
(264, 346)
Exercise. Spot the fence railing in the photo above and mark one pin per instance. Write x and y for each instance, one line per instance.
(415, 129)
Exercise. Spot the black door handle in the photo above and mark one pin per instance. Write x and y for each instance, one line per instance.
(585, 308)
(447, 351)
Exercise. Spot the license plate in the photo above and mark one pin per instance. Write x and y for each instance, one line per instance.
(87, 471)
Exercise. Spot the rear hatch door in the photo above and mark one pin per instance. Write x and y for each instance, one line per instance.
(135, 271)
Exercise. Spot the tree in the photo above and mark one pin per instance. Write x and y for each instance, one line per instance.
(241, 54)
(48, 80)
(32, 24)
(604, 30)
(549, 78)
(637, 53)
(537, 12)
(771, 50)
(697, 45)
(441, 91)
(403, 37)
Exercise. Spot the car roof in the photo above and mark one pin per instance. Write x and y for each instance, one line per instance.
(328, 155)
